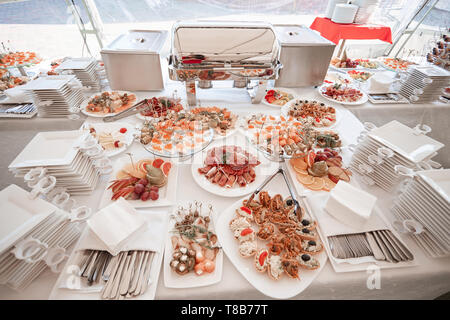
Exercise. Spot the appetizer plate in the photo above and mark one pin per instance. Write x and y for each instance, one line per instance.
(190, 280)
(167, 194)
(275, 105)
(362, 100)
(263, 170)
(304, 191)
(20, 214)
(285, 287)
(113, 127)
(339, 114)
(97, 114)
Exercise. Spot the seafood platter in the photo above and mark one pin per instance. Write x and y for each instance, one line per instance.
(107, 103)
(277, 97)
(18, 59)
(9, 81)
(230, 170)
(359, 75)
(143, 181)
(193, 256)
(245, 54)
(395, 64)
(272, 241)
(181, 134)
(343, 94)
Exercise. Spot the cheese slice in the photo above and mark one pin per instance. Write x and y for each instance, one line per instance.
(350, 205)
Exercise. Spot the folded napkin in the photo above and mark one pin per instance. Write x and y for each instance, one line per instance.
(17, 95)
(150, 239)
(330, 226)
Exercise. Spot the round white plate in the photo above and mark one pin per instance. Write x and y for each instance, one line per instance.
(285, 287)
(190, 280)
(114, 127)
(100, 115)
(339, 116)
(363, 99)
(263, 170)
(274, 105)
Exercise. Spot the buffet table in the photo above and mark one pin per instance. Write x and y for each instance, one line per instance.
(427, 280)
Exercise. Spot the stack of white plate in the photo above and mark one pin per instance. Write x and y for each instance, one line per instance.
(423, 209)
(85, 69)
(56, 96)
(380, 150)
(366, 8)
(422, 84)
(33, 233)
(59, 153)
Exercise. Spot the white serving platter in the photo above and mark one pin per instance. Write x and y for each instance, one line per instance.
(285, 287)
(362, 100)
(97, 114)
(263, 170)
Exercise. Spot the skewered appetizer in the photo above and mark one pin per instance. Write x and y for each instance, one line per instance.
(342, 93)
(194, 243)
(228, 166)
(317, 113)
(278, 97)
(141, 180)
(279, 135)
(321, 170)
(110, 102)
(359, 75)
(158, 107)
(289, 240)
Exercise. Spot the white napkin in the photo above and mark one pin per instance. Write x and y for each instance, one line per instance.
(17, 95)
(114, 226)
(151, 239)
(330, 226)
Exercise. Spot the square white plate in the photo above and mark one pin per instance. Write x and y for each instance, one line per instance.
(49, 148)
(19, 214)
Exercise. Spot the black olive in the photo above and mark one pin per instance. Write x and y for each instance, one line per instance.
(304, 230)
(306, 257)
(305, 222)
(311, 242)
(289, 202)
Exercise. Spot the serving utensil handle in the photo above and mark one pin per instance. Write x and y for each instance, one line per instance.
(127, 112)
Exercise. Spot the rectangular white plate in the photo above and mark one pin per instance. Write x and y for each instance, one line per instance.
(190, 280)
(167, 194)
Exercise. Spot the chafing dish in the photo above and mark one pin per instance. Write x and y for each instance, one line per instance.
(205, 52)
(305, 55)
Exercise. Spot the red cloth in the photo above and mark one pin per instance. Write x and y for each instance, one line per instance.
(337, 31)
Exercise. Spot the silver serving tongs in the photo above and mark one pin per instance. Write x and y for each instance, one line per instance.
(260, 188)
(128, 112)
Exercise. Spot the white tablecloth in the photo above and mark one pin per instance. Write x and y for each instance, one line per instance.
(429, 279)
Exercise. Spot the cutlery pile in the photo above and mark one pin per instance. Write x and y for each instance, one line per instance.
(26, 110)
(383, 245)
(123, 276)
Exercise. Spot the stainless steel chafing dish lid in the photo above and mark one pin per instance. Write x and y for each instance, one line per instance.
(225, 41)
(138, 42)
